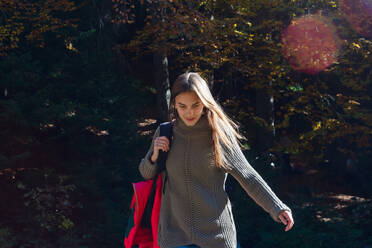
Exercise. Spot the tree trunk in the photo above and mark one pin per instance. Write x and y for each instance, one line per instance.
(162, 85)
(265, 110)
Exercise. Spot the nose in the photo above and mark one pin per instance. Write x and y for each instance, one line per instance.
(189, 113)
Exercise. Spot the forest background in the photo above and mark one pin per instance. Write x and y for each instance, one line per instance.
(85, 83)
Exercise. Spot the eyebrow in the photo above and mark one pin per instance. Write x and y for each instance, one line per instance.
(185, 104)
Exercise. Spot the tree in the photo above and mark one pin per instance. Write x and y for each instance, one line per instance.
(25, 21)
(240, 44)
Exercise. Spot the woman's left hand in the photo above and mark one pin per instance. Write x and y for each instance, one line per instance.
(286, 218)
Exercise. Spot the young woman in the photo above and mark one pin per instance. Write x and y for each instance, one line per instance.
(195, 209)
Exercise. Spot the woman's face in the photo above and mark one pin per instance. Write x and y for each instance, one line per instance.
(189, 107)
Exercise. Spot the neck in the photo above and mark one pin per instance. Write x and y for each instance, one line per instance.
(200, 127)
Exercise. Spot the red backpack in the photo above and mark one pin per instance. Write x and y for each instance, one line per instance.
(142, 228)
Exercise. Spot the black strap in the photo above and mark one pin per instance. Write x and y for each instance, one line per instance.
(165, 130)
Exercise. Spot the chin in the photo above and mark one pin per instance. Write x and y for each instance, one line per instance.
(191, 123)
(188, 123)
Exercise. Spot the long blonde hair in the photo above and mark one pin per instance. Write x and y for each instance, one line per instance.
(224, 131)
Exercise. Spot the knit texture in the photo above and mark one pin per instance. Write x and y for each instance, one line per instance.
(195, 207)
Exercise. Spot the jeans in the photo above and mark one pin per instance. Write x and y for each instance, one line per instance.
(188, 246)
(195, 246)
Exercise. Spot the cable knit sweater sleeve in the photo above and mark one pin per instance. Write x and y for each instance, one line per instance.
(146, 167)
(254, 184)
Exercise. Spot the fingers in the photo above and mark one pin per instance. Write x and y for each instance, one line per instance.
(283, 219)
(286, 218)
(291, 222)
(162, 143)
(289, 226)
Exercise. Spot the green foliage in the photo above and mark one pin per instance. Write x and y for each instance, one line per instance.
(69, 108)
(239, 45)
(28, 22)
(68, 118)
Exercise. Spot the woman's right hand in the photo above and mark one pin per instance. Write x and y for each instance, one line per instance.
(160, 143)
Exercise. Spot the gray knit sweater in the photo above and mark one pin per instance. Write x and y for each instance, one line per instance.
(195, 208)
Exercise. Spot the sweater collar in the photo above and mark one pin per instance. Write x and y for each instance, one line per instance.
(201, 126)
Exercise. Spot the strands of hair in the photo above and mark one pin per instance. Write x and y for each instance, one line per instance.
(225, 132)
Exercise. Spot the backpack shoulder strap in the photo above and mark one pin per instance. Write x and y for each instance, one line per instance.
(166, 129)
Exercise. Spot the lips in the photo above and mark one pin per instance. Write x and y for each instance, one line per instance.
(190, 119)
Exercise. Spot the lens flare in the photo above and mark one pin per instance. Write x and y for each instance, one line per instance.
(359, 15)
(309, 44)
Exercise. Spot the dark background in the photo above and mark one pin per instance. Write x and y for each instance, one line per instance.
(83, 87)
